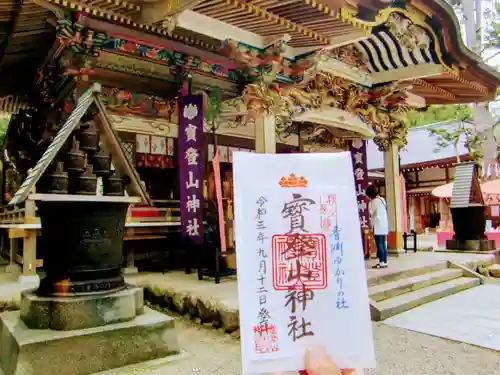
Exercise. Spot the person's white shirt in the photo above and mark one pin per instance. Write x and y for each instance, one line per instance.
(378, 214)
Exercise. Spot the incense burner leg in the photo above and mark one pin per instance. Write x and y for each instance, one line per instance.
(14, 248)
(130, 260)
(29, 275)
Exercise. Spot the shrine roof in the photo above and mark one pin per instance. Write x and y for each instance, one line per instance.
(469, 79)
(310, 24)
(417, 44)
(422, 148)
(26, 36)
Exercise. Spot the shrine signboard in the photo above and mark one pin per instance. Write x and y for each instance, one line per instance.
(357, 147)
(301, 276)
(191, 166)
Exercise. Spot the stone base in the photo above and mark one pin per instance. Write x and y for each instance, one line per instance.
(471, 245)
(70, 313)
(493, 252)
(87, 351)
(33, 280)
(130, 270)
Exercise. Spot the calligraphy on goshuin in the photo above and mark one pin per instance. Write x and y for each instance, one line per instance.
(299, 258)
(265, 333)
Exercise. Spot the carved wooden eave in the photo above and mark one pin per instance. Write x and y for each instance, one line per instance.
(310, 23)
(382, 109)
(332, 118)
(396, 50)
(254, 24)
(468, 65)
(451, 74)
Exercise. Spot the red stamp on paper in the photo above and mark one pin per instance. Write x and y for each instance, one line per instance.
(299, 261)
(265, 338)
(328, 212)
(328, 205)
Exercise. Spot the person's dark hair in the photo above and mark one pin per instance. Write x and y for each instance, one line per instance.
(372, 191)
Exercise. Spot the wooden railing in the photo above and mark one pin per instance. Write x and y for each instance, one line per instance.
(23, 224)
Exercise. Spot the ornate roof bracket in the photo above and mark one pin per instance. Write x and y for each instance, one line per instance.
(409, 27)
(383, 108)
(271, 64)
(264, 62)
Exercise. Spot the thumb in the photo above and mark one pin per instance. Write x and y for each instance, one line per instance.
(318, 362)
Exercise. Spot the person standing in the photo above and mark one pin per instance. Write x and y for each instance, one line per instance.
(380, 224)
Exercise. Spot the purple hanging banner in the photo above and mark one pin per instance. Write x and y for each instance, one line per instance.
(191, 167)
(357, 147)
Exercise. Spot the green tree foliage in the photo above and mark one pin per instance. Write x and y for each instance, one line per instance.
(452, 136)
(446, 137)
(440, 113)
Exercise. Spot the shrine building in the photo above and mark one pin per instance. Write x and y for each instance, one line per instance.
(274, 76)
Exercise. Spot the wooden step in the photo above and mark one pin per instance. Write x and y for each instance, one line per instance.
(404, 302)
(395, 288)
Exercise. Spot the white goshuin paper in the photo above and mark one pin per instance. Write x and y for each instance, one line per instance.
(345, 333)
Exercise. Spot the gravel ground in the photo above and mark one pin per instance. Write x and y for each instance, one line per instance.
(399, 352)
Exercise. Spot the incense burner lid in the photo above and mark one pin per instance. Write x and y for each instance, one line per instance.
(102, 162)
(86, 183)
(57, 180)
(89, 137)
(113, 185)
(75, 158)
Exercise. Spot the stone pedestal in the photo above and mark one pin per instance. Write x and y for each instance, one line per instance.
(83, 335)
(84, 351)
(83, 318)
(70, 313)
(471, 245)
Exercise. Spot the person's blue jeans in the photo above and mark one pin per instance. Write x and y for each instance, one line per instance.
(380, 242)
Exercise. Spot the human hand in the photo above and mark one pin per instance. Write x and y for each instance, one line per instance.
(318, 362)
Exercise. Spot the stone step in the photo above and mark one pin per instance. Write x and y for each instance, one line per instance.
(395, 288)
(403, 274)
(404, 302)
